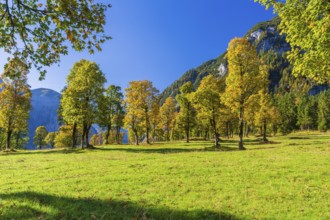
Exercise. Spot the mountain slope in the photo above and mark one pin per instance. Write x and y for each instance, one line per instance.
(44, 104)
(270, 45)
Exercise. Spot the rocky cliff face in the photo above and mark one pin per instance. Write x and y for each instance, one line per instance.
(44, 104)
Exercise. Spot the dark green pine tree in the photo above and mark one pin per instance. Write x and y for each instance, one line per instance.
(323, 112)
(288, 111)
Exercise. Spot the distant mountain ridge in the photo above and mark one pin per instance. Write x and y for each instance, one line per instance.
(44, 105)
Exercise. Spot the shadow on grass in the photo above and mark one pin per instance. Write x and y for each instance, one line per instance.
(299, 138)
(263, 143)
(152, 150)
(236, 140)
(32, 205)
(169, 150)
(46, 151)
(156, 148)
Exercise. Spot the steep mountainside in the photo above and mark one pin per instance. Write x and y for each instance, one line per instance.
(270, 45)
(44, 104)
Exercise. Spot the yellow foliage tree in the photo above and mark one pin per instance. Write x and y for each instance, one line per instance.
(110, 109)
(243, 80)
(40, 136)
(15, 98)
(206, 101)
(140, 96)
(306, 25)
(186, 118)
(63, 138)
(265, 109)
(50, 139)
(167, 115)
(80, 100)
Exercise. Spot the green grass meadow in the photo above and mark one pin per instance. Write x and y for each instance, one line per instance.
(288, 178)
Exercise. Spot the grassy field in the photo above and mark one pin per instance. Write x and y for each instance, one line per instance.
(288, 178)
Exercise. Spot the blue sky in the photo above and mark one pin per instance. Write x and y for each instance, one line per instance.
(160, 40)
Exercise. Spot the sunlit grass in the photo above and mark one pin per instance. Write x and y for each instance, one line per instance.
(287, 178)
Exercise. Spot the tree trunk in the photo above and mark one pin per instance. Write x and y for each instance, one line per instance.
(167, 135)
(216, 139)
(17, 139)
(136, 138)
(107, 134)
(231, 130)
(83, 135)
(264, 132)
(240, 144)
(82, 139)
(147, 134)
(74, 131)
(215, 132)
(187, 135)
(117, 134)
(8, 139)
(87, 135)
(241, 127)
(247, 130)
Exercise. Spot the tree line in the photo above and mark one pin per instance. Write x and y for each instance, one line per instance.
(221, 107)
(43, 29)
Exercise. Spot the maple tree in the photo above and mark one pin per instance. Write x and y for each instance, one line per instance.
(242, 82)
(265, 108)
(64, 136)
(305, 24)
(109, 108)
(206, 100)
(154, 115)
(80, 100)
(167, 114)
(118, 123)
(15, 98)
(139, 98)
(40, 136)
(50, 139)
(186, 118)
(37, 31)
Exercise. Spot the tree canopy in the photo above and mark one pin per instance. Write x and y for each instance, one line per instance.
(306, 26)
(167, 114)
(110, 109)
(80, 100)
(244, 80)
(186, 119)
(140, 97)
(206, 100)
(36, 31)
(40, 136)
(15, 98)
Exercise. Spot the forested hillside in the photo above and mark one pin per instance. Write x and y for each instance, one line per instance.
(271, 46)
